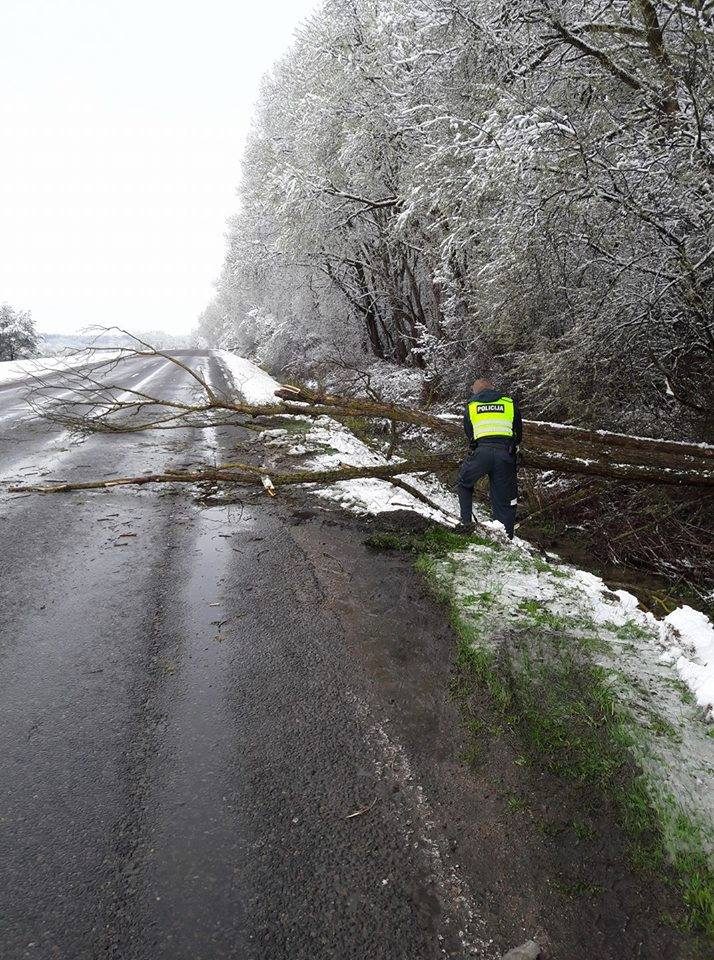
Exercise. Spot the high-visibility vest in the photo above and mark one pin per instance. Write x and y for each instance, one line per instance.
(492, 418)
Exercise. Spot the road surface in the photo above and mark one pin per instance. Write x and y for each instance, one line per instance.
(183, 732)
(226, 732)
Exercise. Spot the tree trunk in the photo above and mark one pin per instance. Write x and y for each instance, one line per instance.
(553, 446)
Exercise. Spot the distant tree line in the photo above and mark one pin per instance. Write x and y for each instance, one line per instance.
(454, 186)
(106, 338)
(18, 337)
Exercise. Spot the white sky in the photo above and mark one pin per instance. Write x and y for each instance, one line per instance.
(122, 125)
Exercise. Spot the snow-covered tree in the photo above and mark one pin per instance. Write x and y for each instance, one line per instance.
(524, 189)
(18, 337)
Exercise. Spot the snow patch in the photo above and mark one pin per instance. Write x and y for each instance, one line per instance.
(696, 668)
(332, 445)
(254, 385)
(509, 589)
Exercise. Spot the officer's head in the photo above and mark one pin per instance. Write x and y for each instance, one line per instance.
(482, 384)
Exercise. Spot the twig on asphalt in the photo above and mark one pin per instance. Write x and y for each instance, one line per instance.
(363, 810)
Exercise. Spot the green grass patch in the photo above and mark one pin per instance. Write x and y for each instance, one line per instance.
(435, 542)
(560, 710)
(582, 829)
(683, 690)
(629, 632)
(578, 889)
(294, 425)
(516, 803)
(539, 687)
(663, 728)
(567, 719)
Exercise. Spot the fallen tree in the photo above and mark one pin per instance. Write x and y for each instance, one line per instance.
(238, 473)
(550, 446)
(247, 474)
(93, 399)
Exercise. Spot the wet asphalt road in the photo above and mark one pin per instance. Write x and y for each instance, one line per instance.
(193, 701)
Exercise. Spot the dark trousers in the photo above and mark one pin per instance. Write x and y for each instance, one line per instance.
(498, 460)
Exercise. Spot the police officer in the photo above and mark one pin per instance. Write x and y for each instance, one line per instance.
(493, 425)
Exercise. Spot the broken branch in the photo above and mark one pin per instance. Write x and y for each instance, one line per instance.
(244, 473)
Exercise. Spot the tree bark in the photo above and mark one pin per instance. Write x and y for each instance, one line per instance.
(548, 446)
(244, 473)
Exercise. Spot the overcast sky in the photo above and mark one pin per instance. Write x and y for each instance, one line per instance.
(122, 126)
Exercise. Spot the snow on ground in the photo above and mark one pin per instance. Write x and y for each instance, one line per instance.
(329, 445)
(255, 385)
(13, 370)
(510, 589)
(692, 653)
(654, 664)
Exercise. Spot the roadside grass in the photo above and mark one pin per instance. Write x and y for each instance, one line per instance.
(536, 680)
(433, 542)
(582, 829)
(292, 425)
(575, 890)
(365, 430)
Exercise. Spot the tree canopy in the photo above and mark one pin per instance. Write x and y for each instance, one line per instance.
(457, 185)
(18, 337)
